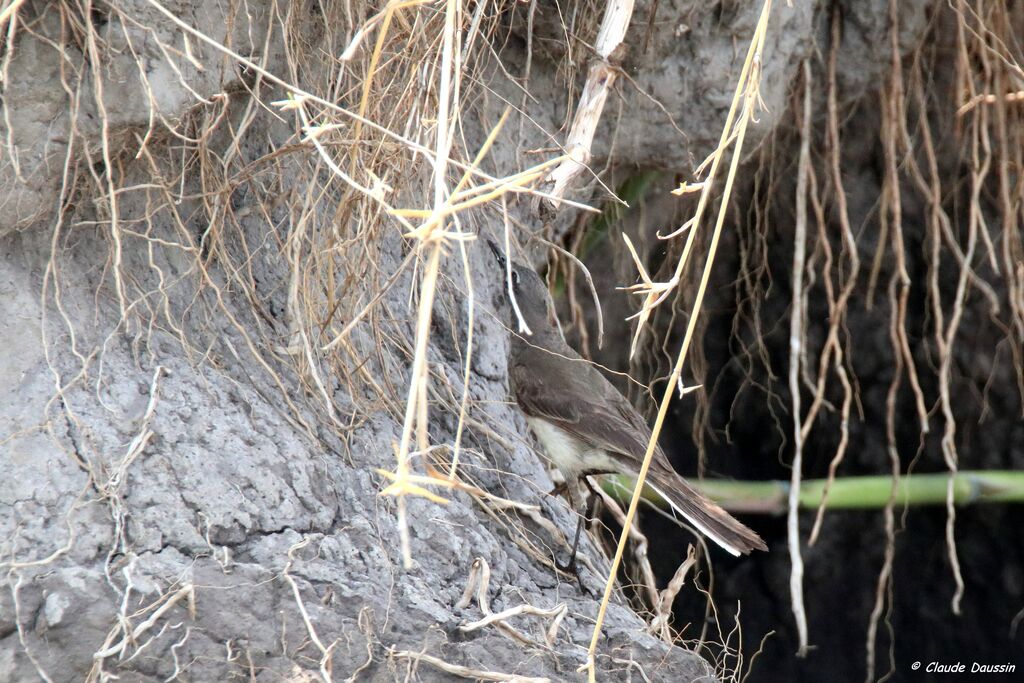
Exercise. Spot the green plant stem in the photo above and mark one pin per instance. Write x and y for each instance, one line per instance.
(847, 493)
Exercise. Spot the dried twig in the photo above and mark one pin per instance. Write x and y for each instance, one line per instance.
(661, 624)
(600, 79)
(477, 585)
(465, 671)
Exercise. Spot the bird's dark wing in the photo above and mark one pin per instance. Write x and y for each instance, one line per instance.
(539, 396)
(578, 398)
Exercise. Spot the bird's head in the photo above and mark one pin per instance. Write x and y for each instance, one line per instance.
(530, 295)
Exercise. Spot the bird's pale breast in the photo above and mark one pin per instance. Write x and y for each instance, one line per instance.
(570, 455)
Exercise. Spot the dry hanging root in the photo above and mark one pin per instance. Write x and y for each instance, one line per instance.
(600, 78)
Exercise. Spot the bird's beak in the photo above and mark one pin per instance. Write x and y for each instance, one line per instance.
(500, 257)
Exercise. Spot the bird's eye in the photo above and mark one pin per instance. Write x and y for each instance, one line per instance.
(515, 279)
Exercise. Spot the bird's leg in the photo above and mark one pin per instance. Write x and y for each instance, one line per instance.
(588, 510)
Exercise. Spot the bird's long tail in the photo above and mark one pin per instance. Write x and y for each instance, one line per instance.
(710, 519)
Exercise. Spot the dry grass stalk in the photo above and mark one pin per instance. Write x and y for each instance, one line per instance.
(433, 235)
(747, 95)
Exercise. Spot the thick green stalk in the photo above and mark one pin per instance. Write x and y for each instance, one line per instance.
(847, 493)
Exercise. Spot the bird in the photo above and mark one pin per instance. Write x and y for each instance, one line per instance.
(585, 426)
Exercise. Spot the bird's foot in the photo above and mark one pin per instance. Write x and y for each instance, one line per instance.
(571, 567)
(558, 490)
